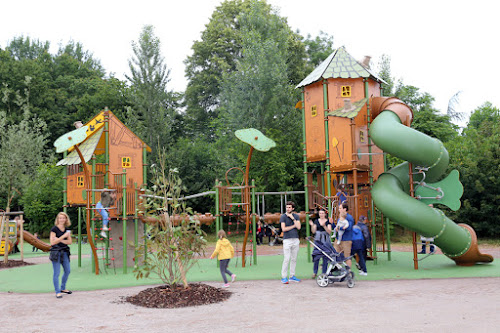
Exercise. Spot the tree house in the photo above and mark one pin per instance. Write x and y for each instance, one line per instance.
(336, 114)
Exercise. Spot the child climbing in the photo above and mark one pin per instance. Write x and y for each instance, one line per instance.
(342, 224)
(225, 251)
(107, 199)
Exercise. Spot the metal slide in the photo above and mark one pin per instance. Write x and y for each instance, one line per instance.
(390, 131)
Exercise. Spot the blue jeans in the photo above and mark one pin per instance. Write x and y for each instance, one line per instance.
(103, 212)
(362, 259)
(56, 265)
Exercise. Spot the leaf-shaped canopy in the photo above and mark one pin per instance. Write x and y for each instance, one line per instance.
(70, 139)
(255, 138)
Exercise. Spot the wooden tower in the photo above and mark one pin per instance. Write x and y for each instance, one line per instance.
(336, 114)
(117, 158)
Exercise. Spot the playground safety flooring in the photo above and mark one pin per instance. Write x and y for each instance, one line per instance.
(393, 297)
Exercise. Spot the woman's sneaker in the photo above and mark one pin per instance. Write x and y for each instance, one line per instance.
(363, 273)
(284, 280)
(233, 277)
(294, 279)
(225, 285)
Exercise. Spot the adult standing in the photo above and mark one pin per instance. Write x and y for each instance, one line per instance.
(321, 228)
(290, 225)
(60, 238)
(346, 243)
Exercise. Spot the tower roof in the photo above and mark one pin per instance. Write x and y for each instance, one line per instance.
(339, 64)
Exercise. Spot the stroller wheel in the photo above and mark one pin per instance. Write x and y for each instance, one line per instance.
(350, 280)
(322, 280)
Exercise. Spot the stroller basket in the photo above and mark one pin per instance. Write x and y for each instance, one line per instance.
(337, 270)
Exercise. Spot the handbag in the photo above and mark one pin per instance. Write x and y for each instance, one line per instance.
(54, 255)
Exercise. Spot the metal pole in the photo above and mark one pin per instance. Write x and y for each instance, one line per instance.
(306, 188)
(124, 219)
(80, 237)
(327, 141)
(136, 223)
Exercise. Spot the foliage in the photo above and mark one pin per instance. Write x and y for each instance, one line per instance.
(153, 112)
(65, 87)
(426, 118)
(219, 52)
(476, 155)
(172, 247)
(384, 73)
(317, 49)
(21, 145)
(258, 94)
(42, 199)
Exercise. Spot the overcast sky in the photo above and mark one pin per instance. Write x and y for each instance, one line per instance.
(442, 46)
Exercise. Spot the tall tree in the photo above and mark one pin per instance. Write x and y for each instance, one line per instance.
(218, 52)
(153, 109)
(384, 72)
(21, 148)
(427, 119)
(476, 155)
(317, 49)
(259, 94)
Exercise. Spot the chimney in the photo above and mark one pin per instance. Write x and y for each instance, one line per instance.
(366, 62)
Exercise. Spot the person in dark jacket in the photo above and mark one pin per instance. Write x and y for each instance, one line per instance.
(358, 247)
(366, 234)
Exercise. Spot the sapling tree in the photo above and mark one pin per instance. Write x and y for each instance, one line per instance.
(173, 240)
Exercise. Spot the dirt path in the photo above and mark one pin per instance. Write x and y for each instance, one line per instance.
(438, 305)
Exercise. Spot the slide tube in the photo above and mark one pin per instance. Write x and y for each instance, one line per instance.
(391, 191)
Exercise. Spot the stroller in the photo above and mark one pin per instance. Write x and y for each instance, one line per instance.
(337, 270)
(275, 237)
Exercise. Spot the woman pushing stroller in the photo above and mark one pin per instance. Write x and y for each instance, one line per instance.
(321, 228)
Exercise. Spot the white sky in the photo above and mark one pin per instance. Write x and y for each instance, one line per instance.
(440, 46)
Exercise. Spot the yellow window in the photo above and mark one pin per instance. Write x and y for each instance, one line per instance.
(346, 91)
(126, 162)
(79, 181)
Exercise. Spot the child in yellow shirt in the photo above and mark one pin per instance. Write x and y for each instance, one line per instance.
(224, 251)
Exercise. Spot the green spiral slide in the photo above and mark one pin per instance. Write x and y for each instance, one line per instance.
(390, 131)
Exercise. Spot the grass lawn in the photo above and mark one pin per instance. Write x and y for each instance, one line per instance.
(38, 278)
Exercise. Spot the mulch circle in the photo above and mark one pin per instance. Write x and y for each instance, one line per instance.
(169, 297)
(13, 263)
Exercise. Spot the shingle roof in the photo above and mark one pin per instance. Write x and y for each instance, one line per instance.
(339, 64)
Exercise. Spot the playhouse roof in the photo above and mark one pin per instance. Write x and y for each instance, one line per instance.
(339, 64)
(94, 143)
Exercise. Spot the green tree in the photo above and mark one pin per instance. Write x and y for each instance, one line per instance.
(218, 52)
(21, 146)
(476, 155)
(67, 86)
(173, 247)
(259, 94)
(153, 111)
(42, 198)
(426, 118)
(384, 73)
(317, 49)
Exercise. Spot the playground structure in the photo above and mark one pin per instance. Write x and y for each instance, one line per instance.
(347, 127)
(121, 170)
(13, 231)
